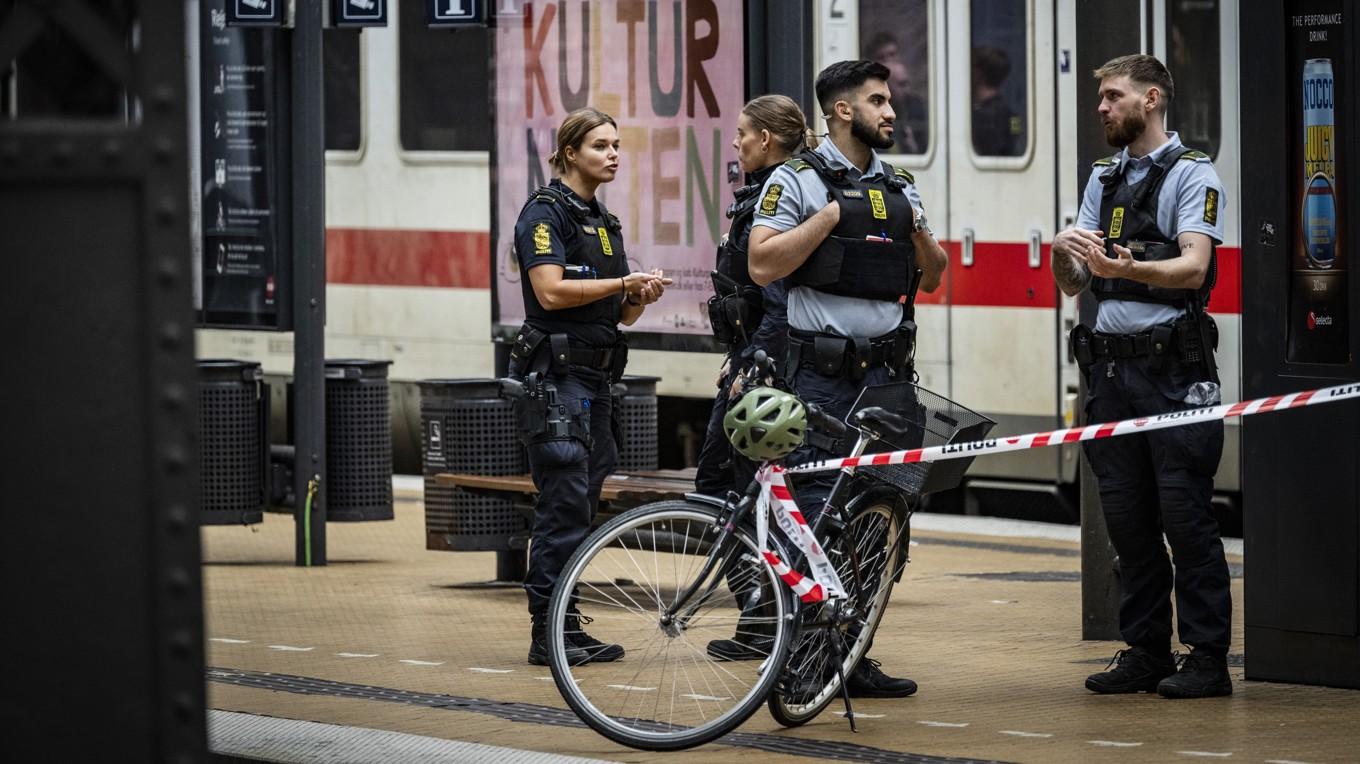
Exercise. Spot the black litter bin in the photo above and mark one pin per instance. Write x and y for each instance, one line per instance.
(466, 427)
(358, 441)
(233, 416)
(637, 420)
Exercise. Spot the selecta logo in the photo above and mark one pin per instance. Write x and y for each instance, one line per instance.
(1314, 320)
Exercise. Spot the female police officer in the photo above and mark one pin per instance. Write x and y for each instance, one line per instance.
(569, 352)
(745, 317)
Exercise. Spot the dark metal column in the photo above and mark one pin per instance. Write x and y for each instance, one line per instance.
(103, 609)
(779, 50)
(309, 264)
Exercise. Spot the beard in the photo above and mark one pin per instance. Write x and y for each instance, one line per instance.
(868, 134)
(1125, 131)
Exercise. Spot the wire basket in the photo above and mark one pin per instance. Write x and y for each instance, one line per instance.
(932, 420)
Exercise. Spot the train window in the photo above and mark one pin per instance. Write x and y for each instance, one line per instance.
(999, 75)
(896, 33)
(342, 82)
(1192, 44)
(444, 85)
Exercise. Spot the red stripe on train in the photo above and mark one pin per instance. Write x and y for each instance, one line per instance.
(1000, 275)
(395, 257)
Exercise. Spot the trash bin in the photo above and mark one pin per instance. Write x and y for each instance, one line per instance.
(233, 416)
(358, 441)
(637, 419)
(467, 427)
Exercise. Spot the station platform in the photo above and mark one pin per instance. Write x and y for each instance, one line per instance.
(395, 653)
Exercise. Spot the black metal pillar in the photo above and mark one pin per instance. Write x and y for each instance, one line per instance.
(779, 51)
(309, 268)
(1301, 468)
(103, 632)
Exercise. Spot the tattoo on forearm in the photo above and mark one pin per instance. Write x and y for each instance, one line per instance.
(1071, 275)
(1188, 245)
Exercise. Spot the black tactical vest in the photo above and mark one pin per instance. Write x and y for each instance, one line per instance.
(733, 259)
(1128, 216)
(595, 242)
(869, 253)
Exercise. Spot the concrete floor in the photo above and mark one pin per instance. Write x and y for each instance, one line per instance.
(989, 627)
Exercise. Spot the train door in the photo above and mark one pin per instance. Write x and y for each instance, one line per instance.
(908, 37)
(1003, 201)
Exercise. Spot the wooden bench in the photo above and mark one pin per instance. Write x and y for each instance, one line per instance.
(622, 490)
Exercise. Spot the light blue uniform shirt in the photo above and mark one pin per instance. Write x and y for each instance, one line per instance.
(802, 195)
(1180, 209)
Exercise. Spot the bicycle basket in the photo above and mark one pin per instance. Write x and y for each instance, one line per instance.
(933, 420)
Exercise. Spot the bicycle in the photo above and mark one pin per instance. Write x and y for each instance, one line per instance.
(665, 579)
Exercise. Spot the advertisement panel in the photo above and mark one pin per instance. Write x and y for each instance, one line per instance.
(671, 75)
(1319, 314)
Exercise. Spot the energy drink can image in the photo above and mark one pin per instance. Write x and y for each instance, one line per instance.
(1319, 164)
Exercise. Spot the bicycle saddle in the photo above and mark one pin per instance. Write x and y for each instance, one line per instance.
(884, 424)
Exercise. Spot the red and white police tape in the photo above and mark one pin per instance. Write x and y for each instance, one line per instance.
(823, 582)
(1090, 432)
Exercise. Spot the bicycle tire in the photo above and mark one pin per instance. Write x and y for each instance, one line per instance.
(612, 698)
(880, 531)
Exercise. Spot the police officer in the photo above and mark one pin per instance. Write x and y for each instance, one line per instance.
(746, 317)
(577, 290)
(1143, 244)
(849, 233)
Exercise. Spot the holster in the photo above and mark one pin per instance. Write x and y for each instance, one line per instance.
(904, 349)
(618, 362)
(1197, 336)
(1079, 343)
(541, 417)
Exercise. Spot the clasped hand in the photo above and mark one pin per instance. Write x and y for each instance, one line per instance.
(1088, 248)
(645, 288)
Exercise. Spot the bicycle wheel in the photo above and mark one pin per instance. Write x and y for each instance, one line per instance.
(668, 692)
(875, 538)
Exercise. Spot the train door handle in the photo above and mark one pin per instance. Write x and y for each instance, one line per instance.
(967, 256)
(1036, 243)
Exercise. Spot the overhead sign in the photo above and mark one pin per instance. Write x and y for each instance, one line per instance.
(358, 13)
(455, 13)
(670, 75)
(255, 13)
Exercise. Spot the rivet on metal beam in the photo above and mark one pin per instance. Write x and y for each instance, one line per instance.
(177, 518)
(178, 581)
(175, 458)
(168, 271)
(171, 335)
(165, 210)
(163, 96)
(184, 706)
(174, 396)
(181, 643)
(164, 150)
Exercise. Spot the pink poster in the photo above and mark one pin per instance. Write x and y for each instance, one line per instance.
(670, 72)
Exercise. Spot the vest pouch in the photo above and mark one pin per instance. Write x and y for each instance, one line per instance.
(523, 349)
(823, 266)
(828, 355)
(717, 319)
(879, 270)
(531, 419)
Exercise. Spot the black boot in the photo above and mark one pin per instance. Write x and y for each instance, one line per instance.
(1201, 675)
(1138, 670)
(754, 637)
(595, 650)
(538, 645)
(869, 681)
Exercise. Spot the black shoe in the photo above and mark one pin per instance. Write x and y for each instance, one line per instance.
(538, 645)
(595, 650)
(869, 681)
(1139, 670)
(749, 649)
(1201, 675)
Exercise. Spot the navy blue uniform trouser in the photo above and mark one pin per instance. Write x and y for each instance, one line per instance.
(1156, 483)
(834, 396)
(568, 476)
(721, 468)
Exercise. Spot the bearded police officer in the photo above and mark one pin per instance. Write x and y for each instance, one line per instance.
(577, 289)
(1143, 244)
(849, 232)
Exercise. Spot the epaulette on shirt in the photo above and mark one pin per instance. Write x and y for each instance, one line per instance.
(1106, 162)
(1195, 156)
(798, 165)
(904, 175)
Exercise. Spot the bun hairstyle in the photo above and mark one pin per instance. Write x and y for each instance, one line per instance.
(781, 116)
(573, 132)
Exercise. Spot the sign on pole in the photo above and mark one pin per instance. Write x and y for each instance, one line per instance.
(455, 13)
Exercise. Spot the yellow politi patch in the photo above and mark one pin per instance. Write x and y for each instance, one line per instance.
(542, 239)
(604, 241)
(770, 202)
(876, 202)
(1211, 206)
(1116, 223)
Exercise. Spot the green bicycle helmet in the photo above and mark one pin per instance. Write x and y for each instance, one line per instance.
(766, 424)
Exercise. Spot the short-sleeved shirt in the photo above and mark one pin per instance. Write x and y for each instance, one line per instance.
(1180, 209)
(544, 233)
(802, 195)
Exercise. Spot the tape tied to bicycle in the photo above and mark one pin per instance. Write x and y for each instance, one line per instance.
(775, 499)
